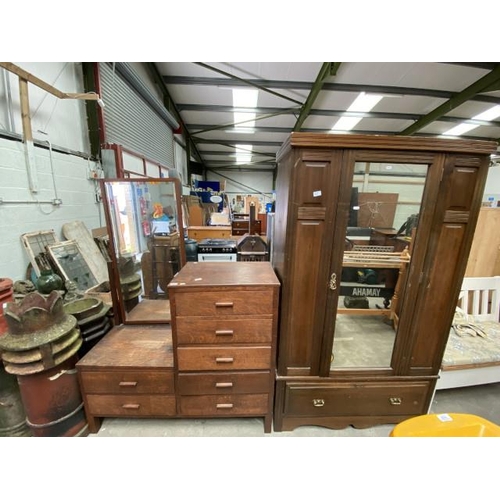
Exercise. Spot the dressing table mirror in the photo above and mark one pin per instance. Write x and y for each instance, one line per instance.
(144, 222)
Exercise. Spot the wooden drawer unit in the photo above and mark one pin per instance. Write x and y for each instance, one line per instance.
(129, 373)
(337, 404)
(224, 303)
(137, 405)
(225, 331)
(223, 383)
(230, 405)
(128, 382)
(224, 323)
(348, 399)
(223, 358)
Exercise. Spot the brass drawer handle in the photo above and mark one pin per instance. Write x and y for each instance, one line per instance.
(131, 406)
(224, 360)
(223, 384)
(224, 405)
(224, 304)
(318, 402)
(395, 401)
(224, 332)
(127, 384)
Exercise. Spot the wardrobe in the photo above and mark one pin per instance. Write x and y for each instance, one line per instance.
(363, 326)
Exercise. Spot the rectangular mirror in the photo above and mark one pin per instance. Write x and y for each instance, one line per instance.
(144, 221)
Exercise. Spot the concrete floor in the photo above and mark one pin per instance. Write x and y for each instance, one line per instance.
(483, 401)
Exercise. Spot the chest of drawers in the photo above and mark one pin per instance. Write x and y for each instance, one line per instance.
(129, 373)
(224, 327)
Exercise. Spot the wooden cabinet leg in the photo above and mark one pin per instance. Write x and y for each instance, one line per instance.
(268, 423)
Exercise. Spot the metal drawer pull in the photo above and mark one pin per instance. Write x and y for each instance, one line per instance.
(333, 282)
(223, 384)
(224, 360)
(127, 384)
(224, 304)
(131, 406)
(318, 402)
(224, 332)
(395, 401)
(224, 405)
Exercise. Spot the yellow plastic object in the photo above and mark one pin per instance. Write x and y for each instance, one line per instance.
(446, 425)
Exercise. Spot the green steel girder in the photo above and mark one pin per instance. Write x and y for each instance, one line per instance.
(233, 124)
(480, 85)
(327, 69)
(170, 105)
(248, 82)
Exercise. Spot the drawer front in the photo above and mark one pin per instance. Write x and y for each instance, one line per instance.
(219, 406)
(139, 405)
(223, 358)
(355, 400)
(128, 382)
(224, 383)
(226, 331)
(220, 303)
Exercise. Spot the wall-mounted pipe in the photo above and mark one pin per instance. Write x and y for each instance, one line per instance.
(8, 99)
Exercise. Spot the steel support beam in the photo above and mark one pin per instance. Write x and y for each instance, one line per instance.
(327, 69)
(249, 83)
(170, 105)
(466, 94)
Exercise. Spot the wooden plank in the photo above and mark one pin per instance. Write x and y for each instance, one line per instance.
(77, 231)
(484, 256)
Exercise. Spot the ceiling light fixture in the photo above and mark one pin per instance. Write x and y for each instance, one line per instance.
(245, 98)
(363, 103)
(243, 157)
(462, 128)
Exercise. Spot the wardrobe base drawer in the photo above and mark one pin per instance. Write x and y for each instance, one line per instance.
(227, 405)
(137, 405)
(366, 399)
(224, 383)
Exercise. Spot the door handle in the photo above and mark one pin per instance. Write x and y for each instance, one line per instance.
(333, 282)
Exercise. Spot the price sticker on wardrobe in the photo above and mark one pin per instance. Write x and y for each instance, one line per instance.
(317, 193)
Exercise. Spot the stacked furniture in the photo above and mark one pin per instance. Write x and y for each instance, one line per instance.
(315, 176)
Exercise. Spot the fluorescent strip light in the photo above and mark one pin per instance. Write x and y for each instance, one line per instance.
(363, 103)
(243, 153)
(460, 129)
(245, 98)
(487, 116)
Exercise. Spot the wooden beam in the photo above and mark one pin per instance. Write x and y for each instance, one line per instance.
(25, 109)
(28, 77)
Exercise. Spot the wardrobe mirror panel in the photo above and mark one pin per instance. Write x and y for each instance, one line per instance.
(381, 229)
(144, 221)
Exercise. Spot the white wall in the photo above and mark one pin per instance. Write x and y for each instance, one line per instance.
(241, 183)
(75, 190)
(492, 188)
(64, 121)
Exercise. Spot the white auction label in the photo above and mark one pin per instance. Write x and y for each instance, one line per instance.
(316, 193)
(444, 417)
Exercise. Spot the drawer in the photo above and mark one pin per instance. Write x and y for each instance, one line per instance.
(223, 358)
(220, 303)
(224, 383)
(355, 399)
(218, 406)
(139, 405)
(128, 382)
(226, 331)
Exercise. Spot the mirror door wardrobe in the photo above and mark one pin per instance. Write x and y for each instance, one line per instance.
(372, 235)
(144, 221)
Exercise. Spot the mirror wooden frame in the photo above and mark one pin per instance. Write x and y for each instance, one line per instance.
(125, 273)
